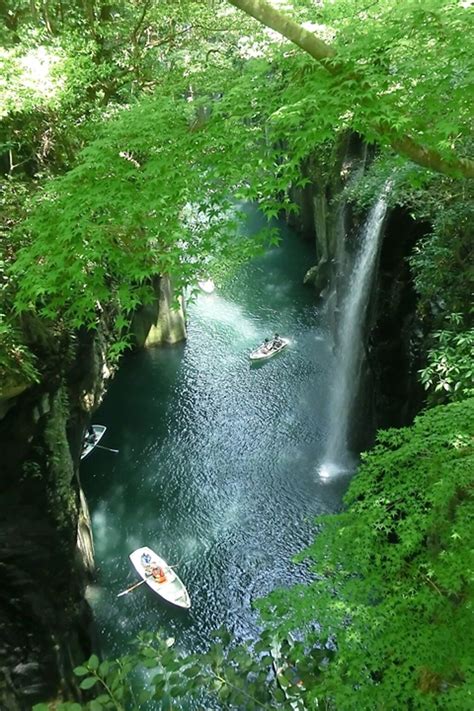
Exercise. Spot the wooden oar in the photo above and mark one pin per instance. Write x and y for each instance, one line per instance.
(101, 446)
(125, 592)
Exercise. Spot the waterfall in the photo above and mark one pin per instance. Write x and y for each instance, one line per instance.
(350, 341)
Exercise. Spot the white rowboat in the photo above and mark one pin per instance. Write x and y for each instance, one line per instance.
(172, 589)
(89, 445)
(269, 349)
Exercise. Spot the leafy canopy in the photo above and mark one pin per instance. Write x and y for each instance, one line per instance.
(211, 109)
(381, 65)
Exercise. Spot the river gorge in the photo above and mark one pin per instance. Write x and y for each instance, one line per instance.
(315, 165)
(217, 467)
(223, 465)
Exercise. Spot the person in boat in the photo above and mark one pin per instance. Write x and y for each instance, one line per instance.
(90, 435)
(277, 342)
(158, 574)
(146, 558)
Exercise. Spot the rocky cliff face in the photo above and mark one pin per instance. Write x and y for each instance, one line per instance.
(44, 621)
(163, 320)
(46, 545)
(396, 339)
(323, 216)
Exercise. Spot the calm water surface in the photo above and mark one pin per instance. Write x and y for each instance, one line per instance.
(218, 458)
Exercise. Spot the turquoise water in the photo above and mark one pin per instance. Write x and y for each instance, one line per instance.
(218, 460)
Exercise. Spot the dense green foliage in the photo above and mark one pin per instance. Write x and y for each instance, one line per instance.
(450, 368)
(111, 223)
(380, 61)
(278, 96)
(396, 571)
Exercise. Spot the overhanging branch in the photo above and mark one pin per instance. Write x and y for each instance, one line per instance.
(267, 15)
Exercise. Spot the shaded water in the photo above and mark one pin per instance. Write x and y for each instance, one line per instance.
(217, 457)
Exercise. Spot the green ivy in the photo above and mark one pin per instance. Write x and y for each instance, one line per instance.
(17, 363)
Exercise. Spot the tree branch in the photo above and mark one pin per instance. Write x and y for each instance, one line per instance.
(138, 29)
(284, 25)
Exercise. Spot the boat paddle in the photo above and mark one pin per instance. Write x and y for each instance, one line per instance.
(109, 449)
(125, 592)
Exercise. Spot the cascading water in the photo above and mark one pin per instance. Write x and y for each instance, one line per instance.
(350, 342)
